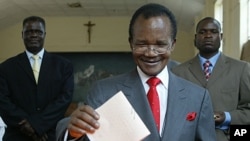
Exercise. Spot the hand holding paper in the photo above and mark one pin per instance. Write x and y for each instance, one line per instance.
(118, 122)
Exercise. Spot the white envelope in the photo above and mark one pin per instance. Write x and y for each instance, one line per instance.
(119, 121)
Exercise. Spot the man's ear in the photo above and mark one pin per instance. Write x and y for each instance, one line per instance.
(173, 45)
(195, 40)
(130, 43)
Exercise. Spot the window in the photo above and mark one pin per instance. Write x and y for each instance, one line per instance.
(248, 19)
(218, 14)
(245, 20)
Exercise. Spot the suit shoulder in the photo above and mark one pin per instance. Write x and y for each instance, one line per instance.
(12, 59)
(237, 63)
(114, 78)
(190, 84)
(58, 58)
(182, 66)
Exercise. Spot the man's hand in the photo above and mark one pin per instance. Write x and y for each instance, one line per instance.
(83, 120)
(42, 138)
(219, 117)
(26, 128)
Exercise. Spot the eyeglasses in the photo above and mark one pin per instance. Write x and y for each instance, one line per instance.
(157, 49)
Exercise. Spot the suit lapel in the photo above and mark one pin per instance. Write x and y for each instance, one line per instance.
(219, 68)
(136, 95)
(23, 62)
(196, 71)
(176, 108)
(45, 67)
(133, 90)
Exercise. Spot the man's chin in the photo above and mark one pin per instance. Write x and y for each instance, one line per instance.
(153, 71)
(34, 49)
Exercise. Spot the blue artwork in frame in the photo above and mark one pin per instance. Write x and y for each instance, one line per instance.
(92, 66)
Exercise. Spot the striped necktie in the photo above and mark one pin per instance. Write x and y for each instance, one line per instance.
(207, 70)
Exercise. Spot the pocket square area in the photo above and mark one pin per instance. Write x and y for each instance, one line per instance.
(191, 116)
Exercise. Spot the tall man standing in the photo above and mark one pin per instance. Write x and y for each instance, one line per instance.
(227, 79)
(36, 88)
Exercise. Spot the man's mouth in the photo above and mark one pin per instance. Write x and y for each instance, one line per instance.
(151, 62)
(33, 42)
(208, 42)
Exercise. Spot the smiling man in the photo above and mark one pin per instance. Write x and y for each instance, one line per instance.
(36, 88)
(182, 110)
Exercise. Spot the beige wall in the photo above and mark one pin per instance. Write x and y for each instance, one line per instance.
(66, 34)
(70, 35)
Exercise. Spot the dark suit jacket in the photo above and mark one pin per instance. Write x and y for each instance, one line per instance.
(43, 104)
(228, 85)
(184, 97)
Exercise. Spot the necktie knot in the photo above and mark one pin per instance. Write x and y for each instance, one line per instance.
(153, 81)
(207, 64)
(35, 57)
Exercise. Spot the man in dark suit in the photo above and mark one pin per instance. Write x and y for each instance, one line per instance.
(152, 37)
(228, 80)
(31, 106)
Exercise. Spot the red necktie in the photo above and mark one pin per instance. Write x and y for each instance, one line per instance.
(207, 72)
(153, 99)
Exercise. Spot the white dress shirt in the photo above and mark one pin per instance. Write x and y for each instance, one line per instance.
(40, 54)
(2, 129)
(162, 90)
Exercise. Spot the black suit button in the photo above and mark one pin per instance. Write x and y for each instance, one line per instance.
(38, 109)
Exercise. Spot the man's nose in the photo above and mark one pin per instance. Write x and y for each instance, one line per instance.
(151, 50)
(208, 34)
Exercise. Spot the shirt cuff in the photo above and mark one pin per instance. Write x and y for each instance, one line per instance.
(66, 136)
(226, 123)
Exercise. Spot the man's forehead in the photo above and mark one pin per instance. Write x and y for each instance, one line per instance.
(209, 24)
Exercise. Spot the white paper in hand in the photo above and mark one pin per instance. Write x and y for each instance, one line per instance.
(119, 121)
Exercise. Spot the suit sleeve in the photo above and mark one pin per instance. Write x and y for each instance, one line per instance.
(9, 110)
(242, 113)
(61, 128)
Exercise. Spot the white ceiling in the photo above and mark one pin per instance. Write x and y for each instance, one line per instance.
(13, 11)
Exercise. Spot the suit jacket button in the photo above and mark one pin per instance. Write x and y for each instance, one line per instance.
(38, 109)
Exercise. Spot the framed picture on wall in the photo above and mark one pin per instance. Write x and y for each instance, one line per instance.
(92, 66)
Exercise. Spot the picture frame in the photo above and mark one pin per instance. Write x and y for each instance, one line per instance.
(92, 66)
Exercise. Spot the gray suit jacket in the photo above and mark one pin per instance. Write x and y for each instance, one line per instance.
(184, 97)
(228, 85)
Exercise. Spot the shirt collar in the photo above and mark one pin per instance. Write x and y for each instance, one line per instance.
(40, 53)
(212, 60)
(163, 76)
